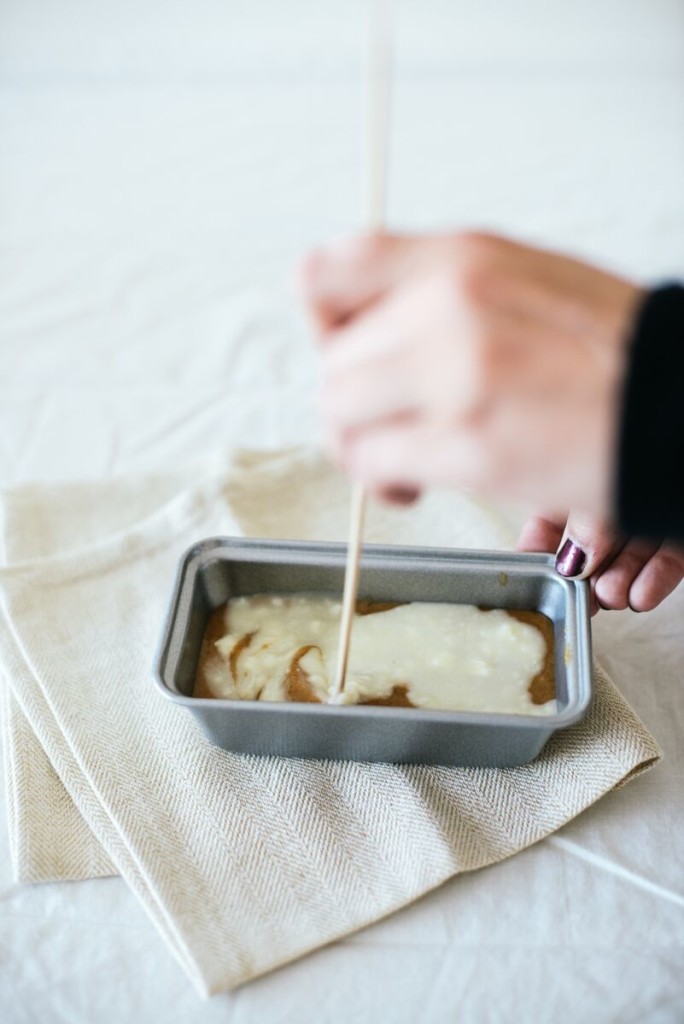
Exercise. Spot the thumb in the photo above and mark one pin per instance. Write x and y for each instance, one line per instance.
(587, 543)
(338, 281)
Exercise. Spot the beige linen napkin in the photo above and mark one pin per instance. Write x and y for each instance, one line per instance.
(243, 863)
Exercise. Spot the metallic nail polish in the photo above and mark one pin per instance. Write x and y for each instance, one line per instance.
(570, 560)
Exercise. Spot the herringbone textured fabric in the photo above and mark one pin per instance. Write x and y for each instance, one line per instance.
(242, 862)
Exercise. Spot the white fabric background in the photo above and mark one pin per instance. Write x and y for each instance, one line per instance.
(161, 167)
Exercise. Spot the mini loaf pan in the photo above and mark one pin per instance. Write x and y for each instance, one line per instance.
(216, 570)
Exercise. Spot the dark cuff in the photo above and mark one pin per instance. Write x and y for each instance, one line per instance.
(650, 470)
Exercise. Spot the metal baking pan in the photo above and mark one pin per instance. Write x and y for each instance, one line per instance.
(215, 570)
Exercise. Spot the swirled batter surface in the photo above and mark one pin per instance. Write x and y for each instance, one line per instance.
(443, 656)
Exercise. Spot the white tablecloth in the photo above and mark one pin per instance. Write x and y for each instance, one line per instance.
(161, 167)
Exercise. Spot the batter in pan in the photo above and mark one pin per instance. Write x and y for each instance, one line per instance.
(442, 656)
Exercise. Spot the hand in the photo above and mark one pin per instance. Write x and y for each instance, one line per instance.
(471, 361)
(623, 572)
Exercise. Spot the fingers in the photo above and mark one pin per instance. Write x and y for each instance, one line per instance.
(587, 543)
(409, 454)
(369, 372)
(460, 334)
(614, 585)
(346, 277)
(636, 573)
(640, 577)
(342, 280)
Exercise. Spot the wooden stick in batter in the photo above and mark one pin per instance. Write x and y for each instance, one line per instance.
(351, 584)
(375, 188)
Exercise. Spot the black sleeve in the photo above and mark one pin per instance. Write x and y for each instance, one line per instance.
(650, 465)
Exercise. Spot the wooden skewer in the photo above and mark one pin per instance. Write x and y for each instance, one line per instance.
(377, 108)
(375, 190)
(351, 584)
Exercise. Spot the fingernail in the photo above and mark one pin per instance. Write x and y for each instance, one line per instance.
(570, 560)
(400, 495)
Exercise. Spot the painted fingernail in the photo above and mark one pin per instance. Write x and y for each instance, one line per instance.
(570, 560)
(400, 495)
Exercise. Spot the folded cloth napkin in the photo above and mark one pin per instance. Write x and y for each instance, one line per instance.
(243, 863)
